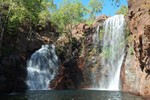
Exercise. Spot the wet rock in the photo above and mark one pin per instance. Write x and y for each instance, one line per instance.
(69, 76)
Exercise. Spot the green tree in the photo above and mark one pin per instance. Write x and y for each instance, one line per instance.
(68, 14)
(31, 11)
(122, 10)
(3, 22)
(28, 13)
(95, 6)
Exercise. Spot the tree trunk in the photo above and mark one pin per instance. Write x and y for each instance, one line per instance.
(1, 40)
(1, 36)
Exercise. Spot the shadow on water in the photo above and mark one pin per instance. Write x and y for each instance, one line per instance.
(71, 95)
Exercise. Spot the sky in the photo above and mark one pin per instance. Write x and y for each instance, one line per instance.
(109, 7)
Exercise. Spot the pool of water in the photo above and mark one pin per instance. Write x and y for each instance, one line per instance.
(71, 95)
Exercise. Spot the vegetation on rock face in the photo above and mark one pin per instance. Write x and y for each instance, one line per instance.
(101, 33)
(17, 16)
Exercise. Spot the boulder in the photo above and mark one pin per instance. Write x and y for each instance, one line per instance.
(99, 21)
(80, 30)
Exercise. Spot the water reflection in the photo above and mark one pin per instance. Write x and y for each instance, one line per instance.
(71, 95)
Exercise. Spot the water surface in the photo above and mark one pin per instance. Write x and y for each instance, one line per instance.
(71, 95)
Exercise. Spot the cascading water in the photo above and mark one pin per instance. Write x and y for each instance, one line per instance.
(42, 67)
(113, 47)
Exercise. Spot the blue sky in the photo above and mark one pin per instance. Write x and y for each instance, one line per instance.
(109, 7)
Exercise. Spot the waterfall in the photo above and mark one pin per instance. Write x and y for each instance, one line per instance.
(42, 67)
(96, 40)
(113, 46)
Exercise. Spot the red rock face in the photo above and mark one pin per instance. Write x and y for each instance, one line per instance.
(69, 76)
(71, 73)
(136, 70)
(80, 30)
(100, 20)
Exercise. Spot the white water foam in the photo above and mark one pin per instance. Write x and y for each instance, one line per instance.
(42, 67)
(113, 47)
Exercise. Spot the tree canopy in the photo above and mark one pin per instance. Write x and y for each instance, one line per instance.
(69, 12)
(26, 11)
(95, 7)
(31, 13)
(73, 12)
(122, 10)
(41, 11)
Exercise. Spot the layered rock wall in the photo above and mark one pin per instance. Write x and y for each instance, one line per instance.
(136, 70)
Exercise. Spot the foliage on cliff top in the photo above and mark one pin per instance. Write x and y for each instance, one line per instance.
(73, 12)
(19, 12)
(122, 10)
(28, 14)
(69, 12)
(41, 11)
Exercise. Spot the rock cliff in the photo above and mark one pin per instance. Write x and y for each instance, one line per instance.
(79, 57)
(71, 51)
(16, 49)
(136, 69)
